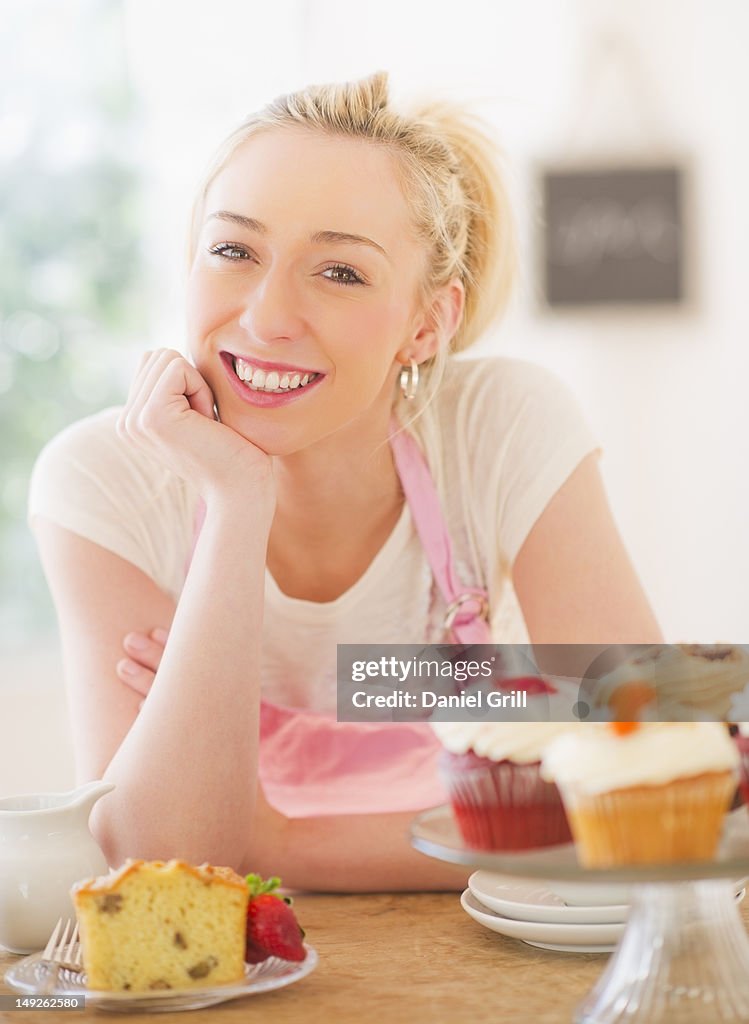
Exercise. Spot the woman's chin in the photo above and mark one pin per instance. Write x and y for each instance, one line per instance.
(271, 441)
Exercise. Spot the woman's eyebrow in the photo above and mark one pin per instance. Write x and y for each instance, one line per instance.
(319, 237)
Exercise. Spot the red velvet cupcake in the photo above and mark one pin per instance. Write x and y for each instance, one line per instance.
(492, 773)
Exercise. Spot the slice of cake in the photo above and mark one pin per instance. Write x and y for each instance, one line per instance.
(154, 925)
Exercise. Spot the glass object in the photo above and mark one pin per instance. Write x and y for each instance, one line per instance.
(31, 976)
(684, 955)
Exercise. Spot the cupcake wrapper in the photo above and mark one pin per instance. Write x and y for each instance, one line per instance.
(681, 820)
(506, 806)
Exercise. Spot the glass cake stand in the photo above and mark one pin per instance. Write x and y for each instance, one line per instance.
(684, 954)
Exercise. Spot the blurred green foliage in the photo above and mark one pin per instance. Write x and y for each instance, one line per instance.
(73, 297)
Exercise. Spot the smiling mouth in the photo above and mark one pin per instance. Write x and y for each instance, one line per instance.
(274, 382)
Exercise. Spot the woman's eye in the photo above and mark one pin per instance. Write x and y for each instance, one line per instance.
(226, 249)
(343, 274)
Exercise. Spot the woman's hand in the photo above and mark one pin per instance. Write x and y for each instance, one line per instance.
(169, 414)
(144, 652)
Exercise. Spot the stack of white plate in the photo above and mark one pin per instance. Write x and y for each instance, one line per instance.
(530, 911)
(574, 918)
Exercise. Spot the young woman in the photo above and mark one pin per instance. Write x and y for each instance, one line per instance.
(340, 253)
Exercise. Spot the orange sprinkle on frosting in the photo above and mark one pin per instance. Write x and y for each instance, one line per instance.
(623, 728)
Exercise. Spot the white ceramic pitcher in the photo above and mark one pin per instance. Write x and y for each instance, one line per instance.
(45, 846)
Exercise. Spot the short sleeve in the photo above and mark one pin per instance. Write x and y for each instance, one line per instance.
(510, 433)
(542, 437)
(91, 482)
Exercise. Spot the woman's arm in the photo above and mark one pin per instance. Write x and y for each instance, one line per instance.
(332, 853)
(345, 853)
(573, 577)
(185, 766)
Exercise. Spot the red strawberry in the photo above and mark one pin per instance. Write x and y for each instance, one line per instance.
(272, 928)
(252, 953)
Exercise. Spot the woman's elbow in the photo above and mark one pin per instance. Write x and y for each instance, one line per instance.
(120, 839)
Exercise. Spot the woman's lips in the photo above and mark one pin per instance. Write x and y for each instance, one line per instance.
(265, 399)
(262, 364)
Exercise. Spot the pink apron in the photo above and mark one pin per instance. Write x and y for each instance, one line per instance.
(309, 763)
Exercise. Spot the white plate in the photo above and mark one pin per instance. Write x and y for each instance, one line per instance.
(30, 976)
(528, 900)
(586, 894)
(567, 938)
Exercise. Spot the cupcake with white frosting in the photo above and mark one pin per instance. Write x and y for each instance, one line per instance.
(492, 772)
(644, 792)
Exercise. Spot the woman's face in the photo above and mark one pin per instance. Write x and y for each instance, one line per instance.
(306, 264)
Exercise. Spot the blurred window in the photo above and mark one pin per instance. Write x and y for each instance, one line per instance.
(73, 300)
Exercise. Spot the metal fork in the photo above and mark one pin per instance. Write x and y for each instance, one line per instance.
(65, 950)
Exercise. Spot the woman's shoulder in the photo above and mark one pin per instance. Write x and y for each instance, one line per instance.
(87, 438)
(494, 396)
(89, 456)
(499, 376)
(96, 484)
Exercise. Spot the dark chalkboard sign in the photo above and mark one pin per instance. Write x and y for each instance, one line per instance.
(613, 236)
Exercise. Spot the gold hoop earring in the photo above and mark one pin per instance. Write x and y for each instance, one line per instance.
(409, 380)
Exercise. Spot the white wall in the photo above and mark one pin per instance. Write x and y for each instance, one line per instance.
(36, 752)
(665, 390)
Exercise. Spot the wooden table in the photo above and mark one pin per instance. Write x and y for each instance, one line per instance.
(386, 959)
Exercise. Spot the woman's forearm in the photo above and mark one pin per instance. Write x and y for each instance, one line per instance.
(346, 853)
(185, 773)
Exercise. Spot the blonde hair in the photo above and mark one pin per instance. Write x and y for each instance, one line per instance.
(449, 170)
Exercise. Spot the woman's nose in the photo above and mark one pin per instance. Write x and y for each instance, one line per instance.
(272, 309)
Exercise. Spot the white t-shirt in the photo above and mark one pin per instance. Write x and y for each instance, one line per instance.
(500, 439)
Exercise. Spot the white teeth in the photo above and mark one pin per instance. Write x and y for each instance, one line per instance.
(272, 381)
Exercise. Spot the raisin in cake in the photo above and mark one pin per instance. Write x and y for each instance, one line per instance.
(162, 925)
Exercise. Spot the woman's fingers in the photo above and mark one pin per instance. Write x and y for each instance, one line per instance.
(140, 374)
(179, 377)
(166, 385)
(135, 410)
(136, 389)
(182, 375)
(170, 416)
(135, 676)
(145, 650)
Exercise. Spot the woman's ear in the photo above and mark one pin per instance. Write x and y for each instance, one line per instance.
(439, 322)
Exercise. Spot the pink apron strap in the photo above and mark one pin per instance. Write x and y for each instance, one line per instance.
(467, 607)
